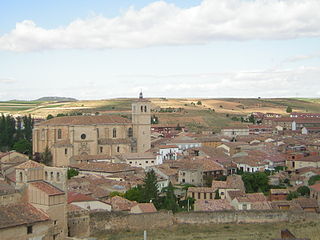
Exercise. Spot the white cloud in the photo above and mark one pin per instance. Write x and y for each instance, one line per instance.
(7, 80)
(161, 23)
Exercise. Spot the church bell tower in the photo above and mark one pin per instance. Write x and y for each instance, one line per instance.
(141, 120)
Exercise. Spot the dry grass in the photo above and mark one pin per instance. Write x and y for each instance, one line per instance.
(222, 232)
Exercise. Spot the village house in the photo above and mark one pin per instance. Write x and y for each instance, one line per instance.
(42, 192)
(143, 208)
(87, 202)
(212, 205)
(297, 163)
(235, 131)
(278, 194)
(252, 201)
(142, 160)
(315, 192)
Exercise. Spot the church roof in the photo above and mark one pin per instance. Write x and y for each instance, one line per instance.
(86, 120)
(29, 164)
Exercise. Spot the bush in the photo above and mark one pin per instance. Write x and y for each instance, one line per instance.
(72, 172)
(303, 191)
(314, 179)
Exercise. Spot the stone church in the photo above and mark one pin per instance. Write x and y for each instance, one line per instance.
(73, 138)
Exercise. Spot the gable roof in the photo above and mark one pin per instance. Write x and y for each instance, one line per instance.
(29, 164)
(47, 188)
(86, 120)
(146, 207)
(20, 214)
(79, 197)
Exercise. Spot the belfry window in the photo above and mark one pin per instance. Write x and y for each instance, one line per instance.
(130, 132)
(59, 134)
(145, 108)
(141, 108)
(114, 133)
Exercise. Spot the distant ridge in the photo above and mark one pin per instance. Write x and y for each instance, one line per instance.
(59, 99)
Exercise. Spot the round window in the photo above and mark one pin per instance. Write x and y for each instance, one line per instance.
(83, 136)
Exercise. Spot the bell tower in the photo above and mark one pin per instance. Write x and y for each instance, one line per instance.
(141, 121)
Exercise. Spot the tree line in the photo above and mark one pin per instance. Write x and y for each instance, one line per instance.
(16, 133)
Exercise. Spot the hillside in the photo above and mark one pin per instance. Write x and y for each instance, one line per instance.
(197, 114)
(56, 99)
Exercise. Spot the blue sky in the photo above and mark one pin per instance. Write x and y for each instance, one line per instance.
(184, 48)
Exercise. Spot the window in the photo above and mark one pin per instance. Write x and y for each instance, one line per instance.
(114, 133)
(147, 162)
(118, 149)
(193, 195)
(199, 196)
(46, 175)
(29, 229)
(141, 108)
(204, 195)
(97, 132)
(59, 134)
(145, 108)
(83, 136)
(66, 151)
(51, 176)
(211, 196)
(101, 149)
(244, 207)
(130, 132)
(58, 176)
(21, 177)
(183, 180)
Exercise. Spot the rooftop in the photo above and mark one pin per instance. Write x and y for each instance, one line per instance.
(20, 214)
(47, 188)
(86, 120)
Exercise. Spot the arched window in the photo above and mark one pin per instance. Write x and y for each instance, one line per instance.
(118, 149)
(46, 175)
(130, 132)
(114, 133)
(59, 134)
(58, 176)
(141, 108)
(145, 108)
(51, 176)
(20, 177)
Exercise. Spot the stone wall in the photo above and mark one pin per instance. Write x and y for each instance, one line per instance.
(120, 221)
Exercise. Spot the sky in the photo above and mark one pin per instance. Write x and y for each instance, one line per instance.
(101, 49)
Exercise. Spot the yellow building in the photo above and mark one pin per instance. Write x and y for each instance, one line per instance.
(69, 138)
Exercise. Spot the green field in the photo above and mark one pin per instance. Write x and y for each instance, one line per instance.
(221, 232)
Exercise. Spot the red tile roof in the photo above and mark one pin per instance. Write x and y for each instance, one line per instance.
(315, 187)
(29, 164)
(47, 188)
(213, 205)
(147, 207)
(86, 120)
(20, 214)
(79, 197)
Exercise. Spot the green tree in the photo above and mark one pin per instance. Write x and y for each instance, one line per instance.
(303, 191)
(199, 103)
(170, 201)
(150, 191)
(23, 146)
(134, 194)
(289, 109)
(252, 119)
(256, 182)
(292, 195)
(115, 193)
(314, 179)
(72, 172)
(50, 116)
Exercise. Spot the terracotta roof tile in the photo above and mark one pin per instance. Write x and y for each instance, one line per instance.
(86, 120)
(121, 204)
(29, 164)
(213, 205)
(315, 187)
(79, 197)
(20, 214)
(146, 207)
(47, 188)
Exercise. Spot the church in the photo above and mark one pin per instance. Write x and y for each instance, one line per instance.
(73, 138)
